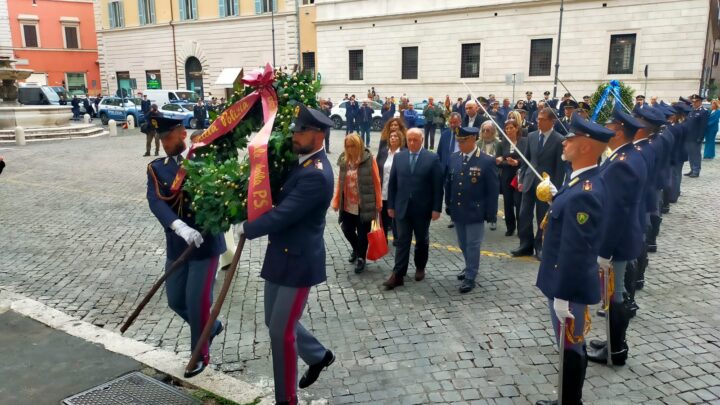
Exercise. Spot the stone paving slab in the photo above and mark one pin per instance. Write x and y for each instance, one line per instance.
(77, 235)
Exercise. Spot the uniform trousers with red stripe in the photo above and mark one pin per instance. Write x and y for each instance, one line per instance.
(288, 338)
(190, 293)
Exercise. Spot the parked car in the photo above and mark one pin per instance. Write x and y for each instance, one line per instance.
(184, 112)
(30, 94)
(113, 108)
(161, 97)
(337, 114)
(61, 91)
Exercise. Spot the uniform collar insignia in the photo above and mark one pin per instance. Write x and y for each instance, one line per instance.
(622, 156)
(167, 159)
(573, 181)
(318, 164)
(587, 186)
(307, 163)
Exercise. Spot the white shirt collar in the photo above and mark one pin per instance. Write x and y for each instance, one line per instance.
(612, 152)
(549, 131)
(580, 171)
(471, 153)
(303, 158)
(639, 140)
(415, 153)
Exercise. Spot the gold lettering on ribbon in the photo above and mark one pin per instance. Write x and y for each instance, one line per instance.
(260, 174)
(260, 199)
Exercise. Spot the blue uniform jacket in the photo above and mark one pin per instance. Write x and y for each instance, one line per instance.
(424, 186)
(569, 268)
(624, 174)
(295, 255)
(647, 151)
(161, 173)
(662, 143)
(677, 154)
(472, 188)
(696, 124)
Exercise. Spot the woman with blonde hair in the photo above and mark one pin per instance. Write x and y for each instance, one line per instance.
(357, 196)
(517, 117)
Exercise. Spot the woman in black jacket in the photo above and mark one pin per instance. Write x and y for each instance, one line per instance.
(508, 161)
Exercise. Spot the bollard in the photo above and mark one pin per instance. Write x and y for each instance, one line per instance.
(130, 121)
(112, 128)
(19, 136)
(86, 118)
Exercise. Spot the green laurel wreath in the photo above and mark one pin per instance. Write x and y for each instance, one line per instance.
(217, 177)
(626, 94)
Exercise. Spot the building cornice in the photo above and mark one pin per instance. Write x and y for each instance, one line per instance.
(55, 50)
(179, 23)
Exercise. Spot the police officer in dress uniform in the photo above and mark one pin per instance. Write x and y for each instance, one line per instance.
(624, 174)
(696, 123)
(530, 104)
(471, 189)
(189, 289)
(568, 274)
(295, 255)
(678, 129)
(563, 124)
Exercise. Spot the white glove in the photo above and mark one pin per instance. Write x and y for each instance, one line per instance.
(240, 230)
(562, 309)
(604, 264)
(190, 235)
(552, 187)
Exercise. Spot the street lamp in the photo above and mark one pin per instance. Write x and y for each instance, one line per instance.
(557, 56)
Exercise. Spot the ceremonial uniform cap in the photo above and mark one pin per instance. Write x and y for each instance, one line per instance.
(628, 122)
(684, 100)
(580, 126)
(528, 93)
(571, 104)
(583, 106)
(307, 118)
(567, 95)
(696, 97)
(163, 125)
(681, 108)
(639, 97)
(465, 132)
(651, 115)
(547, 93)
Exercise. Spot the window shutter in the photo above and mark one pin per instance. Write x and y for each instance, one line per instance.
(183, 15)
(151, 19)
(141, 12)
(121, 11)
(221, 8)
(236, 7)
(111, 14)
(258, 7)
(194, 9)
(274, 6)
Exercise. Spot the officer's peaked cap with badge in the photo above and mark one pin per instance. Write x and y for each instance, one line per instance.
(652, 116)
(580, 126)
(465, 132)
(696, 97)
(583, 106)
(547, 93)
(571, 104)
(305, 118)
(630, 123)
(163, 125)
(668, 110)
(682, 108)
(639, 97)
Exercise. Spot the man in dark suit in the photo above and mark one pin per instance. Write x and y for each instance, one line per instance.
(473, 116)
(414, 199)
(189, 290)
(295, 255)
(544, 150)
(145, 105)
(352, 109)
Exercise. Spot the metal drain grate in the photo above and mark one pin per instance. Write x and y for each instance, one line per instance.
(132, 389)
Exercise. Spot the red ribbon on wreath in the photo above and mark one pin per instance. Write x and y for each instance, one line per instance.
(259, 195)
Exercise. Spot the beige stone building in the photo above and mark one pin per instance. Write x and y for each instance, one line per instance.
(425, 48)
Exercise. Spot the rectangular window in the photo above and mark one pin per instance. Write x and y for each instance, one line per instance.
(540, 57)
(228, 8)
(622, 54)
(153, 80)
(265, 6)
(30, 35)
(470, 60)
(116, 14)
(71, 37)
(146, 11)
(188, 9)
(409, 62)
(356, 64)
(308, 2)
(716, 56)
(76, 83)
(308, 62)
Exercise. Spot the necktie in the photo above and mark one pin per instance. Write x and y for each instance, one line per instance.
(466, 158)
(413, 160)
(541, 142)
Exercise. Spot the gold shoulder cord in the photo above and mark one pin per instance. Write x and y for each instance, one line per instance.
(173, 200)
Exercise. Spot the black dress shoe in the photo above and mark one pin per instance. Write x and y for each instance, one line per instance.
(693, 175)
(688, 174)
(352, 257)
(600, 356)
(217, 332)
(451, 225)
(199, 368)
(665, 209)
(547, 402)
(652, 248)
(597, 344)
(360, 266)
(147, 154)
(467, 286)
(509, 232)
(461, 275)
(522, 252)
(312, 374)
(601, 313)
(640, 284)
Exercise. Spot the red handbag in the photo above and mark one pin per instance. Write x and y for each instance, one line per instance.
(514, 183)
(377, 243)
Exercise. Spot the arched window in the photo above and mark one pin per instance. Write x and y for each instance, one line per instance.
(193, 75)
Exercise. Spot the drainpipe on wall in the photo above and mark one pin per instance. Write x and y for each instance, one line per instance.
(297, 26)
(172, 28)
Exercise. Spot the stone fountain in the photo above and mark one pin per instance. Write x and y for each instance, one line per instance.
(40, 122)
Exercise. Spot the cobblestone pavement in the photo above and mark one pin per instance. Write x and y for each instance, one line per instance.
(77, 235)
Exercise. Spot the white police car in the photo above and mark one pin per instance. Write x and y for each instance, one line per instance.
(113, 108)
(184, 112)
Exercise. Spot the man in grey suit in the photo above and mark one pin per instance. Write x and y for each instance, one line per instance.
(415, 193)
(544, 151)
